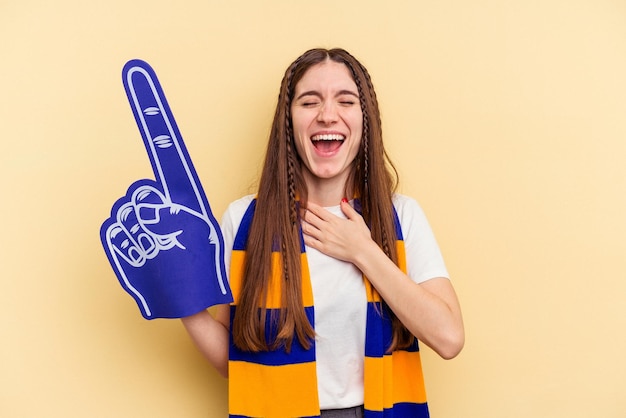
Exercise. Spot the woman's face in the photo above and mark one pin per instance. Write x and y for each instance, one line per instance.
(327, 121)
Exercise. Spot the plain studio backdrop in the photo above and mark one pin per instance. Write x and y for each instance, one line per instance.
(507, 122)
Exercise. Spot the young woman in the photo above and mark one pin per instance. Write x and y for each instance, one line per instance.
(335, 276)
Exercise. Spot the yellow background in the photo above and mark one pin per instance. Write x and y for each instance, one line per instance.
(507, 121)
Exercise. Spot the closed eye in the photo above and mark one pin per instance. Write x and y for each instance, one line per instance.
(347, 98)
(308, 99)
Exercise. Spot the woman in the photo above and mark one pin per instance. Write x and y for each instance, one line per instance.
(334, 275)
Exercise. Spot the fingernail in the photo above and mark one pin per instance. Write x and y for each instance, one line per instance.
(344, 200)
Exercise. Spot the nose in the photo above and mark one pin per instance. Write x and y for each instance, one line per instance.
(328, 113)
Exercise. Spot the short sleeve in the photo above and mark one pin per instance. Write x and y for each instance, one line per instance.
(230, 224)
(424, 258)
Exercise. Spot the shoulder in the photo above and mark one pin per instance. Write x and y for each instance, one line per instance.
(235, 212)
(240, 205)
(412, 218)
(406, 206)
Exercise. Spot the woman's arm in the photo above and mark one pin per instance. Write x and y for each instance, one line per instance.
(210, 335)
(430, 310)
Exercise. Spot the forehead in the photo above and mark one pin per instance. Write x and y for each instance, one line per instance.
(327, 76)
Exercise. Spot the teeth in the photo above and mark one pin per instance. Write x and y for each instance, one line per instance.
(328, 137)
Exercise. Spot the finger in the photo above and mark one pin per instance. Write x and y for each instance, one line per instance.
(138, 236)
(311, 223)
(148, 201)
(311, 242)
(319, 211)
(349, 211)
(170, 161)
(308, 229)
(319, 216)
(121, 243)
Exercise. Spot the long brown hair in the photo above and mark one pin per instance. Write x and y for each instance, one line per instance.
(276, 220)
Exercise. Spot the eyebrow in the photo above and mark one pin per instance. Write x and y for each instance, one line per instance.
(317, 94)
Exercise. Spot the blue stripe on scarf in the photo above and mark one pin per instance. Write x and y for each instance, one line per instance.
(396, 222)
(241, 239)
(401, 410)
(278, 357)
(242, 233)
(379, 333)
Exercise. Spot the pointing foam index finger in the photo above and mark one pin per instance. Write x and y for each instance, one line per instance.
(170, 161)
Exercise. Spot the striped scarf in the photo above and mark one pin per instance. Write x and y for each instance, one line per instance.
(277, 384)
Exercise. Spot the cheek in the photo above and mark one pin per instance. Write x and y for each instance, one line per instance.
(300, 120)
(300, 149)
(298, 133)
(297, 128)
(354, 150)
(358, 135)
(356, 123)
(357, 129)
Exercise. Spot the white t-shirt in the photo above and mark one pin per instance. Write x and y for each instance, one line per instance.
(340, 301)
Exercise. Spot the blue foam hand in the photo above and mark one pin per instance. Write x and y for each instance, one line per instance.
(162, 240)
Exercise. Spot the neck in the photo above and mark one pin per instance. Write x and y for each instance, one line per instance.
(326, 192)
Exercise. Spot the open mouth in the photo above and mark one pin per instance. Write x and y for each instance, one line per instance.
(327, 142)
